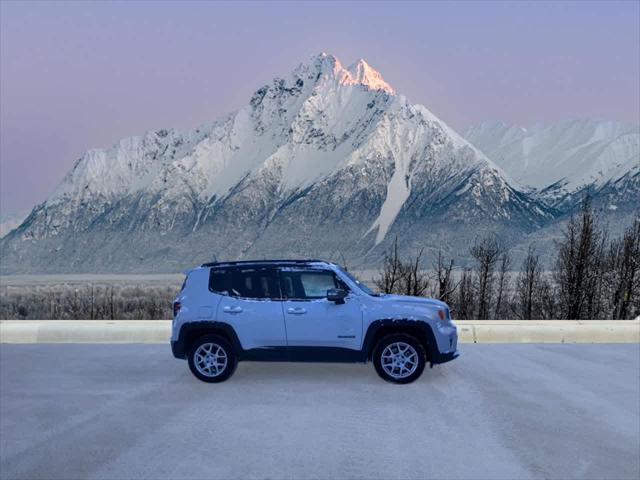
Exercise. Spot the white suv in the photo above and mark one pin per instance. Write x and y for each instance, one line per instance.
(304, 310)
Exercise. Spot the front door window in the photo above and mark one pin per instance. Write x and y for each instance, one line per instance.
(307, 284)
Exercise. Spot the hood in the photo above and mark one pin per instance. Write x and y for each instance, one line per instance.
(406, 299)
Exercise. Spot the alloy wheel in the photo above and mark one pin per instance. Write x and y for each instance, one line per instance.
(210, 359)
(399, 360)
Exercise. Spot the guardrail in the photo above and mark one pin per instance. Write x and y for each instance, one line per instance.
(469, 331)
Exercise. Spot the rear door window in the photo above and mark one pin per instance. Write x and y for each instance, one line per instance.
(217, 281)
(260, 283)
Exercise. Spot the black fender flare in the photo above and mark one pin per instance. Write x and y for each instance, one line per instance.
(192, 330)
(384, 326)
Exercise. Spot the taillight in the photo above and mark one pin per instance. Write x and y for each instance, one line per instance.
(441, 314)
(176, 308)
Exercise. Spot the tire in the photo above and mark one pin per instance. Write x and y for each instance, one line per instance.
(396, 366)
(212, 359)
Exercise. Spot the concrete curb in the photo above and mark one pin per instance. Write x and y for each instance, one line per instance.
(469, 331)
(549, 331)
(85, 331)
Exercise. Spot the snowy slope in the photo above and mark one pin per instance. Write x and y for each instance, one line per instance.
(564, 158)
(9, 221)
(327, 160)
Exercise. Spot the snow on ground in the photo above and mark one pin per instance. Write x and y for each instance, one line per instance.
(133, 411)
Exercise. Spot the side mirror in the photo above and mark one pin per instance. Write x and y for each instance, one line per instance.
(336, 295)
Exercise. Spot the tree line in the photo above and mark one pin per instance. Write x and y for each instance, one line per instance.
(592, 276)
(87, 302)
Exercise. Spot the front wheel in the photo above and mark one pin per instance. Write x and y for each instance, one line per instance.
(212, 359)
(399, 358)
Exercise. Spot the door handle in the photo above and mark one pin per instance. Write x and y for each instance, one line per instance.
(232, 309)
(296, 311)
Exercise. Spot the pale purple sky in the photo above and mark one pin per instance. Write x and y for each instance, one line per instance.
(79, 75)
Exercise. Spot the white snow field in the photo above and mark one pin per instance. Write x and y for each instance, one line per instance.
(497, 412)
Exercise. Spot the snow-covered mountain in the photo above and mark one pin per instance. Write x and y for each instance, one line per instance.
(9, 221)
(327, 162)
(563, 161)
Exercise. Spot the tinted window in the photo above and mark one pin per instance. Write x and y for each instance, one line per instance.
(245, 282)
(307, 284)
(217, 281)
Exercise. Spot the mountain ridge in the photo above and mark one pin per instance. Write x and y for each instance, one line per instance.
(561, 162)
(325, 162)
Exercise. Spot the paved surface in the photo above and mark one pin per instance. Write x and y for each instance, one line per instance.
(499, 411)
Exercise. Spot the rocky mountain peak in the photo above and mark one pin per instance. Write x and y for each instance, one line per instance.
(364, 74)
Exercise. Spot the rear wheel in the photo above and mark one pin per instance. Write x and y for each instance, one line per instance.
(399, 358)
(212, 359)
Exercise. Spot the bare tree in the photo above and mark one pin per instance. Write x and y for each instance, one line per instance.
(111, 303)
(402, 276)
(92, 302)
(486, 253)
(623, 271)
(391, 271)
(465, 302)
(503, 286)
(528, 287)
(578, 264)
(547, 295)
(445, 284)
(413, 280)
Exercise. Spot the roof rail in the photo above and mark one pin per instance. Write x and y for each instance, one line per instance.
(250, 262)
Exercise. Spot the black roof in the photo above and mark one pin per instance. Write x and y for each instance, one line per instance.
(263, 262)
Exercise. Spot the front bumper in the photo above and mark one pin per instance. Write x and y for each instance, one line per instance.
(444, 357)
(448, 345)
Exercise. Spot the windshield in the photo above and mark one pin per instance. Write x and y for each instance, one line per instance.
(360, 284)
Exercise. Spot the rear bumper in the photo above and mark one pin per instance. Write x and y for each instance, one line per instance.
(177, 348)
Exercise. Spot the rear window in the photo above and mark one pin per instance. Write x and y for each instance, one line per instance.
(245, 282)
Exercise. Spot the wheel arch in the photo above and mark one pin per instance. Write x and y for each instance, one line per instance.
(190, 332)
(386, 326)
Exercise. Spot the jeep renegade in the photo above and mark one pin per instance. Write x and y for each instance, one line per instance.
(303, 310)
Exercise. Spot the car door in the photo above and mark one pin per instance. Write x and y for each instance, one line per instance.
(312, 320)
(251, 305)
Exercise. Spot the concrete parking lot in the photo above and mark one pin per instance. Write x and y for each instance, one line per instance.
(499, 411)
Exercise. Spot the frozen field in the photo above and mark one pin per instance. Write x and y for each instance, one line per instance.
(499, 411)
